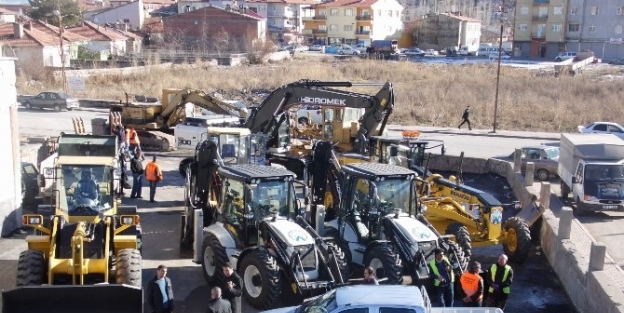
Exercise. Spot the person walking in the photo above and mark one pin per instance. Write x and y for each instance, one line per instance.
(472, 285)
(216, 303)
(232, 287)
(137, 176)
(369, 277)
(499, 278)
(153, 174)
(443, 278)
(466, 118)
(159, 292)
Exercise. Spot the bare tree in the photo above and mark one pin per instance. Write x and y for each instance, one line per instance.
(221, 41)
(256, 48)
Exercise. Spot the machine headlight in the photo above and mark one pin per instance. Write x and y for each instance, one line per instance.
(423, 208)
(129, 220)
(29, 219)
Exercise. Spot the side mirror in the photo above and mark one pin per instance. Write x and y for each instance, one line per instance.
(575, 180)
(41, 181)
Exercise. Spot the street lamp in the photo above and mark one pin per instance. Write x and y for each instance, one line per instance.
(57, 12)
(502, 19)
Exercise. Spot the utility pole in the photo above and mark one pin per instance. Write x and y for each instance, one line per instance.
(500, 54)
(60, 17)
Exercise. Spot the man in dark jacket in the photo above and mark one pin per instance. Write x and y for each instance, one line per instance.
(466, 118)
(137, 175)
(369, 277)
(159, 292)
(232, 287)
(216, 304)
(499, 278)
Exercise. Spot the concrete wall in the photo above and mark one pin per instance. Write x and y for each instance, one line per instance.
(132, 12)
(10, 180)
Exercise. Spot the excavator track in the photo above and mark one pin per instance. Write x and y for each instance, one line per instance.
(152, 140)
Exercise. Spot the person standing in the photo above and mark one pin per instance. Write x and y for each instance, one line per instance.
(499, 278)
(232, 287)
(159, 292)
(132, 140)
(153, 174)
(120, 133)
(466, 118)
(472, 285)
(443, 278)
(216, 303)
(137, 176)
(369, 277)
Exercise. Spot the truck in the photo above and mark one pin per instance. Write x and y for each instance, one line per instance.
(591, 167)
(384, 49)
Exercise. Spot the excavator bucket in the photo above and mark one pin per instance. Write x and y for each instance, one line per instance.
(73, 299)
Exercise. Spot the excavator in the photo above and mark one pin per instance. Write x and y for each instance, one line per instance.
(349, 118)
(153, 121)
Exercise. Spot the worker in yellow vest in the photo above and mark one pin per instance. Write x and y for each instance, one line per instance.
(472, 285)
(499, 278)
(443, 278)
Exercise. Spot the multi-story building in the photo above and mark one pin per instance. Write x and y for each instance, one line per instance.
(438, 31)
(354, 21)
(284, 17)
(540, 27)
(596, 25)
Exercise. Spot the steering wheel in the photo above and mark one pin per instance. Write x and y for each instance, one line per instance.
(81, 210)
(385, 207)
(263, 210)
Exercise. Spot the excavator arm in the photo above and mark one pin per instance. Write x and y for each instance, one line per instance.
(324, 170)
(268, 116)
(175, 111)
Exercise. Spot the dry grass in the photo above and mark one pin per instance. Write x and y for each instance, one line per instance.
(433, 95)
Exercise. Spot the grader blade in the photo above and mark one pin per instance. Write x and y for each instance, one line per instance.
(73, 299)
(531, 213)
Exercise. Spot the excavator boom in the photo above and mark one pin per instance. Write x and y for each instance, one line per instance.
(175, 111)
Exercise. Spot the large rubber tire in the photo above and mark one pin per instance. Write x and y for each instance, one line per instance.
(31, 268)
(214, 258)
(343, 263)
(459, 261)
(128, 267)
(462, 237)
(343, 245)
(27, 106)
(565, 191)
(518, 240)
(139, 238)
(262, 282)
(57, 108)
(385, 263)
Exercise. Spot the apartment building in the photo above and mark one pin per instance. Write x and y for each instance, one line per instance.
(284, 17)
(596, 25)
(540, 28)
(438, 31)
(354, 21)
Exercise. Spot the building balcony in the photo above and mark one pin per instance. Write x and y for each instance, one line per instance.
(363, 32)
(307, 18)
(306, 32)
(540, 18)
(364, 17)
(319, 31)
(538, 35)
(320, 17)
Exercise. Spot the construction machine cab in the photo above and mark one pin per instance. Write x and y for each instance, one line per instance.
(407, 151)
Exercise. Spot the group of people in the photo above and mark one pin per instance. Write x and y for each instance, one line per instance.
(128, 141)
(498, 278)
(224, 298)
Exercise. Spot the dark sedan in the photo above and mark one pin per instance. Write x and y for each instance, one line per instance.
(52, 100)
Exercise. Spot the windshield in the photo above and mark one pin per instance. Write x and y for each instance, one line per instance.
(324, 303)
(393, 194)
(87, 189)
(64, 95)
(417, 155)
(604, 173)
(552, 153)
(231, 148)
(273, 196)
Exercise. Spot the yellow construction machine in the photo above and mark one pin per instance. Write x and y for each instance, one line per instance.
(153, 120)
(85, 254)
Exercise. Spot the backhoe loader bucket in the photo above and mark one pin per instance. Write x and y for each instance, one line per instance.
(73, 299)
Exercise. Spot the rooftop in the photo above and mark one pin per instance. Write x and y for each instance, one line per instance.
(348, 3)
(363, 295)
(32, 37)
(461, 18)
(96, 32)
(285, 1)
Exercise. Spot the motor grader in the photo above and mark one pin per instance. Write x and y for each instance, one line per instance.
(473, 216)
(85, 253)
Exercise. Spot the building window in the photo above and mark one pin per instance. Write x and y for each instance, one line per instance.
(573, 10)
(619, 11)
(524, 10)
(543, 11)
(348, 28)
(365, 13)
(126, 20)
(574, 27)
(595, 11)
(523, 27)
(389, 13)
(348, 12)
(558, 10)
(389, 29)
(333, 12)
(378, 12)
(618, 29)
(556, 28)
(333, 27)
(592, 29)
(322, 12)
(322, 27)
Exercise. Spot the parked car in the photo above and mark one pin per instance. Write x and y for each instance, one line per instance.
(316, 48)
(52, 100)
(545, 158)
(347, 50)
(562, 56)
(316, 113)
(603, 128)
(494, 56)
(361, 48)
(415, 52)
(431, 52)
(30, 188)
(617, 62)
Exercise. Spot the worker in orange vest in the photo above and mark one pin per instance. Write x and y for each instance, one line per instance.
(153, 174)
(132, 140)
(472, 285)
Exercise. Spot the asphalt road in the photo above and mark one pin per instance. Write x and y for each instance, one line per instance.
(536, 288)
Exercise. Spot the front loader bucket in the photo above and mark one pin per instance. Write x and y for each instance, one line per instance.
(73, 299)
(531, 213)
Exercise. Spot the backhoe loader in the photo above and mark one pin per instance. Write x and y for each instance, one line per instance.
(85, 255)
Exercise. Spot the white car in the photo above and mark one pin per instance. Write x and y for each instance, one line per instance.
(494, 56)
(361, 48)
(603, 128)
(431, 52)
(316, 48)
(562, 56)
(347, 50)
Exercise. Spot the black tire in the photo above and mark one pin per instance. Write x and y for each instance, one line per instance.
(577, 210)
(462, 237)
(343, 263)
(565, 191)
(184, 164)
(386, 264)
(57, 108)
(128, 267)
(303, 120)
(139, 238)
(262, 282)
(518, 232)
(31, 268)
(28, 106)
(213, 274)
(543, 174)
(343, 245)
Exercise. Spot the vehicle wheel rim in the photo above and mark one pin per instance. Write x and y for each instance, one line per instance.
(512, 240)
(252, 281)
(209, 261)
(377, 266)
(542, 175)
(27, 105)
(57, 108)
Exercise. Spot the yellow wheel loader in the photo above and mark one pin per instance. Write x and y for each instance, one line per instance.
(85, 255)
